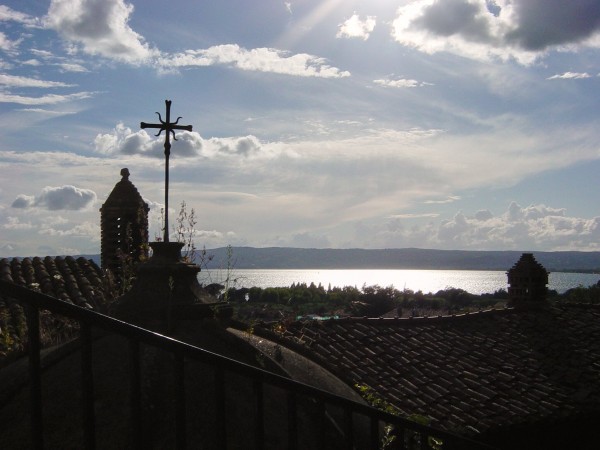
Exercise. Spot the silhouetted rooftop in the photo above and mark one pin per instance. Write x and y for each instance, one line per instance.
(481, 371)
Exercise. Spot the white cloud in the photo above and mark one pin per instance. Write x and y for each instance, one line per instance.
(101, 27)
(414, 216)
(533, 227)
(13, 223)
(123, 140)
(355, 27)
(44, 54)
(450, 199)
(400, 83)
(46, 111)
(58, 198)
(85, 229)
(7, 45)
(72, 67)
(17, 81)
(484, 29)
(569, 76)
(49, 99)
(257, 59)
(8, 14)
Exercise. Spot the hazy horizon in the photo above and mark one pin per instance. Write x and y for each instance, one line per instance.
(446, 124)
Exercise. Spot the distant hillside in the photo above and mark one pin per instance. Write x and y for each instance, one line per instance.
(402, 258)
(406, 258)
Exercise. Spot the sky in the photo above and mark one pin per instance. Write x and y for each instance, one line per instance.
(447, 124)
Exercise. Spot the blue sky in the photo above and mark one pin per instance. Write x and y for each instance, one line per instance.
(451, 124)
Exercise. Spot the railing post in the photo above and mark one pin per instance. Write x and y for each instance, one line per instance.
(349, 428)
(292, 421)
(374, 433)
(32, 315)
(136, 394)
(259, 424)
(398, 442)
(180, 416)
(220, 407)
(423, 441)
(87, 386)
(321, 419)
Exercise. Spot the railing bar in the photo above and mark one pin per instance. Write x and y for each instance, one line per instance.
(101, 321)
(349, 428)
(398, 442)
(32, 316)
(374, 434)
(180, 416)
(136, 394)
(259, 421)
(423, 441)
(292, 421)
(320, 419)
(220, 407)
(87, 386)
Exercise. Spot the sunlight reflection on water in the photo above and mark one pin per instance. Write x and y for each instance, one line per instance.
(473, 281)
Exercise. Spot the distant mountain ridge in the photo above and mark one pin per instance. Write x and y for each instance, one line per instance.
(405, 258)
(402, 258)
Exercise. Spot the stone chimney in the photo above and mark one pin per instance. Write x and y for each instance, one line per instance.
(124, 226)
(527, 282)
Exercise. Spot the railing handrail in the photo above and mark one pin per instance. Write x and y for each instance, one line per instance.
(89, 317)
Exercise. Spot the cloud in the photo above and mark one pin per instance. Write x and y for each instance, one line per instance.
(47, 112)
(7, 14)
(72, 67)
(23, 201)
(257, 59)
(13, 223)
(450, 199)
(309, 240)
(58, 198)
(101, 27)
(44, 54)
(569, 76)
(540, 24)
(123, 140)
(49, 99)
(85, 229)
(482, 29)
(17, 81)
(355, 27)
(401, 83)
(7, 45)
(414, 216)
(533, 227)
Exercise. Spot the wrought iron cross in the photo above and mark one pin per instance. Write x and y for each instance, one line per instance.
(169, 128)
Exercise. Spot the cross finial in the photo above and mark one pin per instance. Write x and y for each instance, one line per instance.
(169, 128)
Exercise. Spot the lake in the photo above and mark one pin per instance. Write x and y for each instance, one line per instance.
(473, 281)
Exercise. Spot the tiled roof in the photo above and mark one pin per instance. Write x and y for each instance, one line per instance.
(77, 281)
(496, 368)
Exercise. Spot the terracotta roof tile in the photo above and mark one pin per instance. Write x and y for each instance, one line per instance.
(483, 370)
(76, 281)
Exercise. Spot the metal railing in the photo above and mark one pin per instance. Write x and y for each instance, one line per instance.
(404, 431)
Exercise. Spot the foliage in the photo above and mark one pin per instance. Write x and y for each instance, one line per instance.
(54, 329)
(185, 230)
(582, 294)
